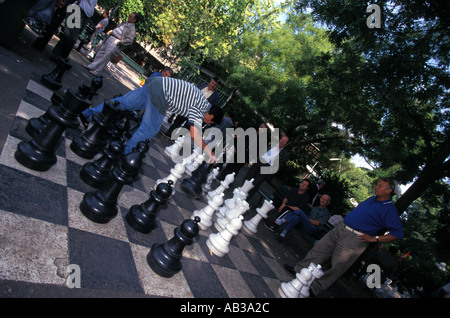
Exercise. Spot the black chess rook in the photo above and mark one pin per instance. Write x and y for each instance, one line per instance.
(165, 258)
(39, 153)
(94, 140)
(100, 206)
(143, 217)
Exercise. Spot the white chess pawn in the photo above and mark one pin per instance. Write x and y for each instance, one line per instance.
(240, 208)
(173, 150)
(218, 243)
(251, 226)
(229, 179)
(299, 286)
(206, 214)
(197, 159)
(175, 174)
(209, 180)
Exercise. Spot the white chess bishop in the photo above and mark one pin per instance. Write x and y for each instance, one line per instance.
(299, 286)
(251, 226)
(206, 214)
(218, 243)
(225, 184)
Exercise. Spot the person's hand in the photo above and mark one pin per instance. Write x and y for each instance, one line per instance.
(212, 158)
(367, 238)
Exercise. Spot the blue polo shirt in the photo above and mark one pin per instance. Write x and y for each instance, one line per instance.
(372, 216)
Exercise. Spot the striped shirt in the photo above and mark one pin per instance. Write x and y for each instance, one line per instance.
(179, 97)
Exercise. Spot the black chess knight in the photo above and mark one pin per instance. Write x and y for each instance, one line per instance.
(94, 140)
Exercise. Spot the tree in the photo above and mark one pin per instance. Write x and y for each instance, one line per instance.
(389, 87)
(187, 30)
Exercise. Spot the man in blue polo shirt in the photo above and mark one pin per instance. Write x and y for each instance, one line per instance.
(347, 241)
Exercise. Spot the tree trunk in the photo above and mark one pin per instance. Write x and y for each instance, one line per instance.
(432, 172)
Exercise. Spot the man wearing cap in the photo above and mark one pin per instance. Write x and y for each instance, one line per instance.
(373, 220)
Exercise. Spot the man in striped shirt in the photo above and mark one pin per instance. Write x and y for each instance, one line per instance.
(161, 94)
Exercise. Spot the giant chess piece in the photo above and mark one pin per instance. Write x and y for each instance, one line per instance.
(218, 243)
(40, 152)
(101, 206)
(240, 208)
(98, 172)
(193, 186)
(52, 80)
(96, 84)
(94, 140)
(142, 217)
(251, 226)
(299, 286)
(224, 185)
(165, 258)
(175, 174)
(36, 125)
(206, 214)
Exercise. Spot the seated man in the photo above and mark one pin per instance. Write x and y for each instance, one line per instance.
(296, 199)
(312, 224)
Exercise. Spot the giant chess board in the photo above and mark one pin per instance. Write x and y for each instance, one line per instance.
(42, 230)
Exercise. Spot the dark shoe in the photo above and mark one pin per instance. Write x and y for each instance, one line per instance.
(289, 268)
(34, 25)
(269, 226)
(84, 121)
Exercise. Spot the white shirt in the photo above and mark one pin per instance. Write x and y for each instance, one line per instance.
(271, 155)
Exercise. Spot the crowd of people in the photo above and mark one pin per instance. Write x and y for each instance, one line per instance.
(375, 220)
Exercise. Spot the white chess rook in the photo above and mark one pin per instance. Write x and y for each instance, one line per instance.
(218, 243)
(299, 286)
(251, 226)
(206, 214)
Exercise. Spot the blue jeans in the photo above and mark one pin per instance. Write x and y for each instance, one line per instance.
(137, 99)
(299, 217)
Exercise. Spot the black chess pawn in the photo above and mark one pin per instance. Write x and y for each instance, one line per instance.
(193, 186)
(96, 84)
(52, 80)
(142, 217)
(94, 140)
(165, 258)
(101, 206)
(39, 153)
(98, 172)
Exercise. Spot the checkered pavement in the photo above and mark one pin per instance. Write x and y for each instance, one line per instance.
(42, 230)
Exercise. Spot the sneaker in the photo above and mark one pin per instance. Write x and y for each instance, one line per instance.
(269, 226)
(33, 25)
